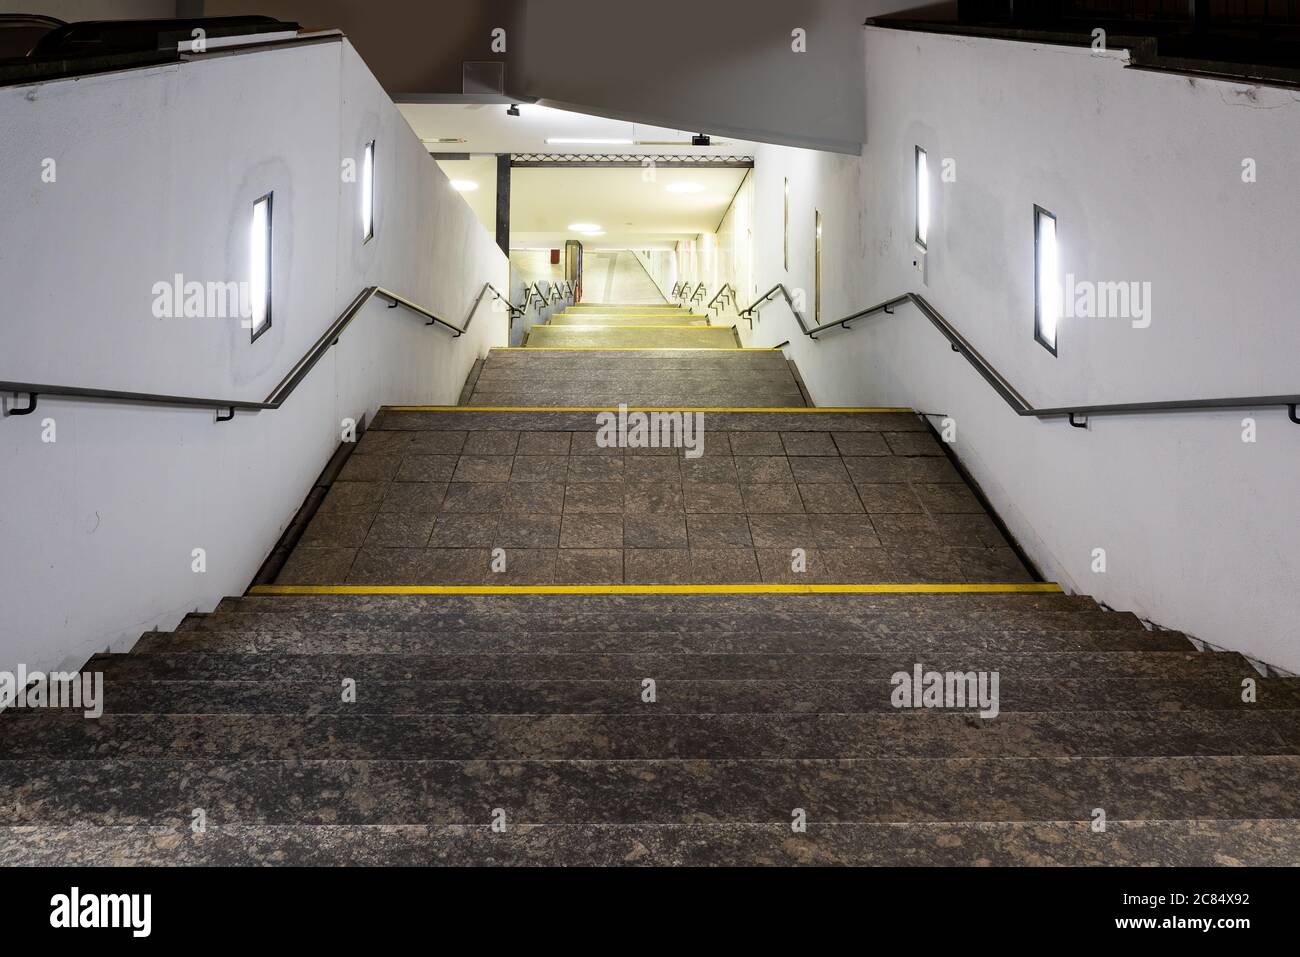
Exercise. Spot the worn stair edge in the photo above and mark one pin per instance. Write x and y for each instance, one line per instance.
(679, 696)
(1124, 843)
(881, 790)
(31, 736)
(782, 666)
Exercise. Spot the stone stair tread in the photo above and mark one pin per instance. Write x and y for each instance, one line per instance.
(822, 609)
(41, 735)
(631, 337)
(886, 790)
(609, 320)
(275, 638)
(788, 666)
(681, 696)
(1124, 843)
(387, 619)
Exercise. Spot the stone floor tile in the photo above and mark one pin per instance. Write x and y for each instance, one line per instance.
(713, 529)
(400, 530)
(309, 565)
(591, 530)
(654, 530)
(427, 468)
(828, 497)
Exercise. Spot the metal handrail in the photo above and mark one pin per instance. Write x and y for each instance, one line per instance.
(728, 292)
(1018, 403)
(556, 292)
(686, 293)
(286, 386)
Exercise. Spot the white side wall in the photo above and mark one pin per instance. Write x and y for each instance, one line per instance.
(157, 171)
(1143, 170)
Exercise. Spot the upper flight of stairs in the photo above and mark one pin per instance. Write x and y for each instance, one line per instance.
(601, 326)
(648, 680)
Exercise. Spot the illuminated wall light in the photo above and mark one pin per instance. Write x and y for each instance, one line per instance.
(922, 198)
(368, 193)
(259, 266)
(1047, 279)
(464, 185)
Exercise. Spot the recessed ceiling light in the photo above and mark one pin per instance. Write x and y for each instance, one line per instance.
(464, 185)
(584, 227)
(586, 141)
(685, 187)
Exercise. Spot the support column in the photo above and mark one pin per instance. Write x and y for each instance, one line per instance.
(503, 202)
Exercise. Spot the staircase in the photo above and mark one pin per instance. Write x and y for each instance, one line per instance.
(628, 327)
(654, 676)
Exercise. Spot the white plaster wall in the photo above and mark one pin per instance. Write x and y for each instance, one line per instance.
(156, 173)
(1143, 170)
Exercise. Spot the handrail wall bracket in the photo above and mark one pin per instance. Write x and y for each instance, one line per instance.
(31, 404)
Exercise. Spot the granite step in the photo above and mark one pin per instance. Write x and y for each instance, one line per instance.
(44, 735)
(691, 360)
(925, 645)
(789, 666)
(705, 395)
(902, 790)
(646, 336)
(1124, 843)
(681, 696)
(608, 319)
(368, 616)
(691, 611)
(494, 379)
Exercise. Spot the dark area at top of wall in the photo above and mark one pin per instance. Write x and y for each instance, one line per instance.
(1251, 42)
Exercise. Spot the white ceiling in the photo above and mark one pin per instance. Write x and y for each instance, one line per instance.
(632, 208)
(487, 128)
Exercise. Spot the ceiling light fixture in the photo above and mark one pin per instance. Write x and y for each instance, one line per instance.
(587, 141)
(464, 185)
(584, 227)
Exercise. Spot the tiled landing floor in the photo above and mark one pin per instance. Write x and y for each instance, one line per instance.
(427, 497)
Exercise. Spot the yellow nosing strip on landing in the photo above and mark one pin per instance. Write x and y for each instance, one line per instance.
(881, 589)
(629, 315)
(614, 408)
(633, 349)
(576, 327)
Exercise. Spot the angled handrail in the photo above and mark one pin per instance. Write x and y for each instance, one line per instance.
(286, 386)
(727, 292)
(1018, 403)
(555, 292)
(539, 300)
(687, 294)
